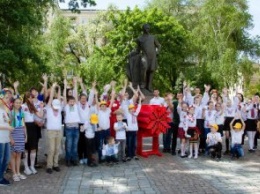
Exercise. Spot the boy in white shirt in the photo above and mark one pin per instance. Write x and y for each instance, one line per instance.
(214, 142)
(120, 127)
(237, 132)
(110, 151)
(132, 130)
(90, 129)
(54, 131)
(72, 120)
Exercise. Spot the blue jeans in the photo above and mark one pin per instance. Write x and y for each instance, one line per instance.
(167, 138)
(236, 149)
(131, 143)
(72, 139)
(5, 155)
(101, 137)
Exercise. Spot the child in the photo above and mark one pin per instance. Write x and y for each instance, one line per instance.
(54, 131)
(237, 132)
(72, 120)
(183, 127)
(110, 151)
(120, 127)
(214, 142)
(104, 124)
(5, 130)
(132, 130)
(19, 137)
(193, 131)
(90, 129)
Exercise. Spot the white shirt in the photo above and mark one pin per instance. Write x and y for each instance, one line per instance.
(191, 120)
(104, 118)
(53, 119)
(219, 118)
(183, 120)
(210, 118)
(214, 138)
(83, 112)
(252, 112)
(28, 117)
(90, 130)
(236, 136)
(4, 122)
(121, 130)
(132, 119)
(71, 114)
(157, 101)
(230, 111)
(124, 105)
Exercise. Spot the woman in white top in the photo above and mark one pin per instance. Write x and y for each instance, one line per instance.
(32, 134)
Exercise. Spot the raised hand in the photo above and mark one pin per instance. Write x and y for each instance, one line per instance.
(16, 84)
(44, 77)
(65, 82)
(80, 80)
(75, 79)
(113, 83)
(94, 83)
(130, 85)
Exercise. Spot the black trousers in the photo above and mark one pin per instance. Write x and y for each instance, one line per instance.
(215, 150)
(175, 128)
(82, 148)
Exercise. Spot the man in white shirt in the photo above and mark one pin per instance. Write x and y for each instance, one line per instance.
(157, 100)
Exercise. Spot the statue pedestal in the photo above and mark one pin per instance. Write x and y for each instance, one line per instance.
(148, 96)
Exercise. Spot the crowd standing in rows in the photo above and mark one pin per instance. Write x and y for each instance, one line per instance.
(106, 125)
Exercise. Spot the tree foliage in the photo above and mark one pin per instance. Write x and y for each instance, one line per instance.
(21, 25)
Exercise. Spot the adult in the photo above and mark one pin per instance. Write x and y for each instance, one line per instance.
(157, 100)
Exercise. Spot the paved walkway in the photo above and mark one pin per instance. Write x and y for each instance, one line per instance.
(167, 174)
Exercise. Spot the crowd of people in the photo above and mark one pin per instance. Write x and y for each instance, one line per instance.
(103, 128)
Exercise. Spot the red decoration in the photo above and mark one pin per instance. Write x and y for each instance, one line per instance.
(152, 121)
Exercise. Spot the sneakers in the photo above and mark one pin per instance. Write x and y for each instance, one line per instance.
(33, 170)
(81, 161)
(190, 156)
(22, 177)
(16, 178)
(4, 182)
(27, 171)
(49, 170)
(57, 169)
(128, 159)
(136, 158)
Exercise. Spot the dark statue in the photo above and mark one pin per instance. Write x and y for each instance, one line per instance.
(142, 62)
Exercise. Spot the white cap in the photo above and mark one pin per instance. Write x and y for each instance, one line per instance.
(56, 104)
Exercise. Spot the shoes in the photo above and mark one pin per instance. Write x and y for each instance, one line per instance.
(128, 159)
(27, 171)
(4, 182)
(68, 163)
(196, 157)
(124, 160)
(16, 178)
(85, 161)
(184, 156)
(81, 161)
(33, 170)
(22, 177)
(75, 163)
(37, 166)
(226, 152)
(57, 169)
(136, 158)
(190, 156)
(92, 165)
(49, 170)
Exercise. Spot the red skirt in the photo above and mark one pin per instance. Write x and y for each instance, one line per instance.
(181, 133)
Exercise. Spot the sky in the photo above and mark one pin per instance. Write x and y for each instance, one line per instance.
(254, 9)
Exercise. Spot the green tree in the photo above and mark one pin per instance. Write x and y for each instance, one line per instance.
(21, 25)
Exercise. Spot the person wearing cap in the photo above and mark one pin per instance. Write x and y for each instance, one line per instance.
(132, 130)
(91, 126)
(214, 142)
(237, 132)
(103, 131)
(54, 131)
